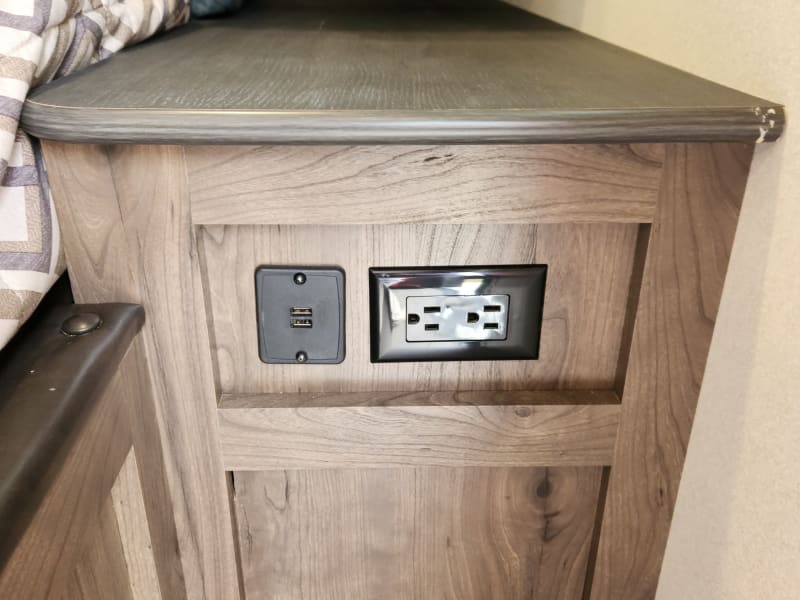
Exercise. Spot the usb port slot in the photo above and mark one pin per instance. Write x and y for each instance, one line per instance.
(492, 308)
(301, 323)
(300, 311)
(433, 309)
(491, 325)
(432, 327)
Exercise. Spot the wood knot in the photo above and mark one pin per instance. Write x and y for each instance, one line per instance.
(523, 411)
(544, 489)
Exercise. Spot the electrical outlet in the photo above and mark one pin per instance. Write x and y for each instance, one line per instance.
(464, 313)
(456, 318)
(300, 314)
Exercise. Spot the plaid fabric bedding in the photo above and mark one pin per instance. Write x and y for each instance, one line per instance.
(42, 40)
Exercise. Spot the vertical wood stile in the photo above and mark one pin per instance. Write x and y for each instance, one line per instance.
(129, 511)
(102, 572)
(128, 237)
(690, 244)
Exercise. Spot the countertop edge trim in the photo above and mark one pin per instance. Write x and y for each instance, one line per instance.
(187, 126)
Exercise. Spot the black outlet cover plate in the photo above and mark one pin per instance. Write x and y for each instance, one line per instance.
(390, 287)
(322, 291)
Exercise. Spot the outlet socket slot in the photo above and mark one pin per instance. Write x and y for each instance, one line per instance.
(462, 313)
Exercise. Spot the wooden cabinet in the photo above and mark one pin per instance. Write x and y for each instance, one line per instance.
(553, 478)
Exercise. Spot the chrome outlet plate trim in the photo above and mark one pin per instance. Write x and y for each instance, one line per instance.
(391, 289)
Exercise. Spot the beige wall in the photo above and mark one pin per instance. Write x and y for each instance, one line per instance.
(736, 531)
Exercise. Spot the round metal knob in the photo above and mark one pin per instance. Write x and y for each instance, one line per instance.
(80, 324)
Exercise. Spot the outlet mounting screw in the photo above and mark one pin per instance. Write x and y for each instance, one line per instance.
(299, 278)
(301, 357)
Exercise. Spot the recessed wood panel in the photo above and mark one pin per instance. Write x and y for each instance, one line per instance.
(585, 302)
(454, 534)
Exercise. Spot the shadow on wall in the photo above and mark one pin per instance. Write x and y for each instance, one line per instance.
(566, 12)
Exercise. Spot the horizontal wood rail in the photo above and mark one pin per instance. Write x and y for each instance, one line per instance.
(499, 435)
(355, 185)
(425, 398)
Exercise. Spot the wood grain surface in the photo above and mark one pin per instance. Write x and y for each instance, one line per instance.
(130, 515)
(454, 534)
(419, 74)
(589, 269)
(128, 236)
(101, 572)
(44, 559)
(338, 185)
(397, 436)
(444, 521)
(681, 287)
(151, 535)
(422, 398)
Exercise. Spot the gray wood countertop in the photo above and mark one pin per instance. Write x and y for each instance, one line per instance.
(427, 73)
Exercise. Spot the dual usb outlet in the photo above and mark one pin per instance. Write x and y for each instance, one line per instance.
(300, 317)
(313, 330)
